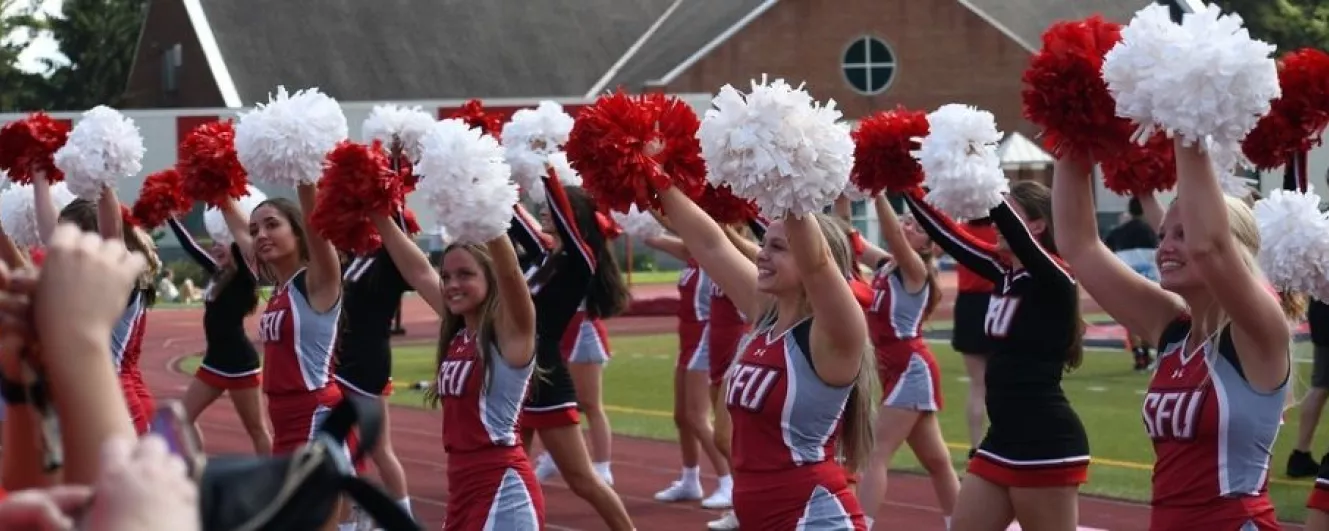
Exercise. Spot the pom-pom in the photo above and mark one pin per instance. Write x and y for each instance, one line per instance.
(357, 183)
(474, 114)
(103, 147)
(562, 169)
(883, 151)
(1297, 118)
(29, 145)
(215, 222)
(1064, 92)
(1205, 78)
(284, 142)
(1294, 241)
(18, 215)
(208, 164)
(1141, 169)
(638, 225)
(725, 207)
(161, 197)
(777, 147)
(960, 162)
(467, 182)
(530, 138)
(398, 128)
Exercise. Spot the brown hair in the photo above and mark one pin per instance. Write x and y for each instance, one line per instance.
(291, 213)
(608, 294)
(83, 214)
(452, 324)
(1036, 200)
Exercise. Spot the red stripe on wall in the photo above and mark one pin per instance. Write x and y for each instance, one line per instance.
(185, 125)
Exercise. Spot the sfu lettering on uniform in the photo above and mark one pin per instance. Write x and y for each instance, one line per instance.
(750, 386)
(452, 377)
(269, 326)
(1172, 415)
(1001, 313)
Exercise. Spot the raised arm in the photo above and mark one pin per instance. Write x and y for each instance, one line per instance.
(324, 269)
(515, 324)
(12, 256)
(669, 245)
(560, 210)
(1259, 329)
(525, 234)
(191, 247)
(1132, 300)
(44, 206)
(840, 330)
(977, 255)
(748, 247)
(411, 262)
(110, 222)
(913, 270)
(1032, 256)
(238, 223)
(707, 243)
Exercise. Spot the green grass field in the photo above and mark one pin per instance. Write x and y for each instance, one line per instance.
(1105, 392)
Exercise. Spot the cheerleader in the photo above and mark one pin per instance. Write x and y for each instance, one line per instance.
(1035, 455)
(1216, 399)
(486, 351)
(905, 295)
(799, 382)
(230, 362)
(104, 217)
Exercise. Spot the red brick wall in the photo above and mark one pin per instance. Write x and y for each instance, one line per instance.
(167, 25)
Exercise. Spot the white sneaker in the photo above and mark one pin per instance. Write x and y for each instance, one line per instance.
(678, 492)
(728, 522)
(720, 498)
(545, 468)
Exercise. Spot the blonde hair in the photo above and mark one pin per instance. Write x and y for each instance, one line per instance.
(453, 324)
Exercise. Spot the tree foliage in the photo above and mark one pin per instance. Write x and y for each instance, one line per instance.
(20, 89)
(98, 37)
(1288, 24)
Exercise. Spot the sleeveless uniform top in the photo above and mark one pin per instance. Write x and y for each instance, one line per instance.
(784, 416)
(481, 401)
(722, 309)
(373, 288)
(966, 280)
(694, 294)
(224, 308)
(895, 314)
(127, 336)
(297, 341)
(1212, 434)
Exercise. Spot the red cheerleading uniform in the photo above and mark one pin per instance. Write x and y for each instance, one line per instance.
(586, 340)
(230, 361)
(725, 331)
(297, 364)
(126, 347)
(786, 426)
(694, 314)
(1319, 499)
(1212, 435)
(491, 484)
(910, 378)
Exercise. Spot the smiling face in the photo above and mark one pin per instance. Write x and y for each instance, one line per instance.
(776, 270)
(275, 237)
(913, 234)
(466, 281)
(1175, 269)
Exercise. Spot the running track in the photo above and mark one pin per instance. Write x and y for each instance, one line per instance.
(641, 466)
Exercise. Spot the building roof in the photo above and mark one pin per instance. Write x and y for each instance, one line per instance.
(1016, 151)
(422, 49)
(1024, 20)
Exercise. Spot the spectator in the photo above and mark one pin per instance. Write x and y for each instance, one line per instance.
(166, 290)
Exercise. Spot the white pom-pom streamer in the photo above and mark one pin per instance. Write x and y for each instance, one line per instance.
(392, 123)
(1204, 78)
(777, 147)
(529, 138)
(638, 225)
(18, 213)
(104, 146)
(1294, 242)
(562, 168)
(284, 141)
(961, 167)
(215, 222)
(853, 193)
(466, 182)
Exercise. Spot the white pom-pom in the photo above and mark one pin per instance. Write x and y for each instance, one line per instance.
(466, 182)
(215, 222)
(18, 213)
(284, 141)
(961, 167)
(392, 123)
(638, 225)
(562, 168)
(777, 147)
(1294, 242)
(854, 193)
(1204, 78)
(104, 146)
(529, 138)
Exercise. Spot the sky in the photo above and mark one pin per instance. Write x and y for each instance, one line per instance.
(42, 46)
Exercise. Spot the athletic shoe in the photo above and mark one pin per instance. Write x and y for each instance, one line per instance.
(1302, 465)
(728, 522)
(720, 498)
(679, 491)
(545, 468)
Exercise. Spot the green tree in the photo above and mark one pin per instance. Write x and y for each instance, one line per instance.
(1288, 24)
(19, 90)
(99, 38)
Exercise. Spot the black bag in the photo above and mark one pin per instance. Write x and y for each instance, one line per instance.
(298, 492)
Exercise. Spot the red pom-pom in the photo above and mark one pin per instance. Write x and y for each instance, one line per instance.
(406, 172)
(609, 147)
(412, 225)
(1065, 94)
(1142, 169)
(474, 114)
(29, 145)
(37, 254)
(357, 183)
(1296, 119)
(161, 197)
(882, 146)
(725, 207)
(210, 169)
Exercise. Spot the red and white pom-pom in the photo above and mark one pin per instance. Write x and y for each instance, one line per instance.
(1297, 118)
(398, 128)
(161, 197)
(638, 225)
(1294, 242)
(474, 114)
(960, 162)
(29, 145)
(1064, 92)
(725, 207)
(466, 182)
(285, 141)
(215, 222)
(1141, 169)
(883, 151)
(530, 137)
(105, 146)
(627, 146)
(357, 183)
(208, 164)
(18, 213)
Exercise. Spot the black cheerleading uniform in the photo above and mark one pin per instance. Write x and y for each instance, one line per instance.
(1035, 439)
(558, 284)
(372, 286)
(231, 361)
